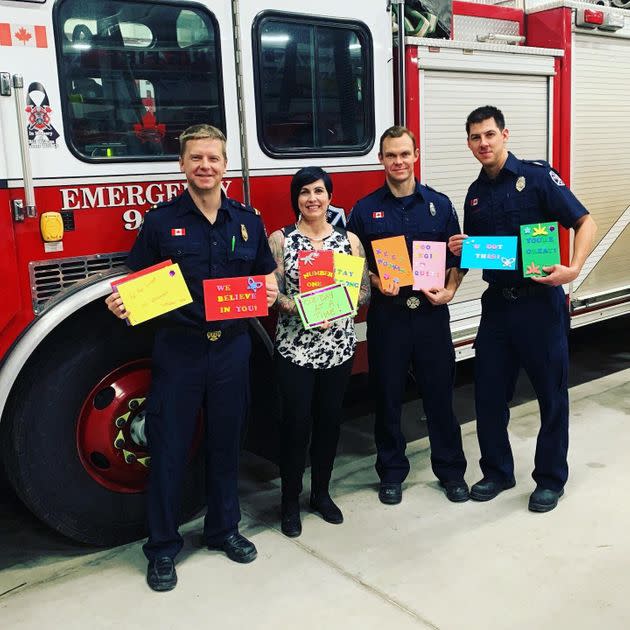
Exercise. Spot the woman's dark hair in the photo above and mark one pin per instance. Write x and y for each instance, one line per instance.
(304, 177)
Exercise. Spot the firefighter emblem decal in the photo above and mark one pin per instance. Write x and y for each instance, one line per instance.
(41, 133)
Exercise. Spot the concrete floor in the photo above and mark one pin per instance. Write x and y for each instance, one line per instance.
(425, 563)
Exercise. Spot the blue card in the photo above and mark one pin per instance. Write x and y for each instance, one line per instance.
(489, 252)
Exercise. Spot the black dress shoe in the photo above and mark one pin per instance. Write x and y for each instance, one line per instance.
(390, 493)
(290, 522)
(544, 500)
(327, 508)
(161, 575)
(487, 489)
(456, 491)
(237, 548)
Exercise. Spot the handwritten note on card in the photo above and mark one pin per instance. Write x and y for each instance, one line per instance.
(153, 291)
(329, 303)
(489, 252)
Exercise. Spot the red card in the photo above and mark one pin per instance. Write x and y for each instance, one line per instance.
(233, 298)
(316, 269)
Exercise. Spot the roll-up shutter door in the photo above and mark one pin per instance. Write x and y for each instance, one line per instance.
(446, 162)
(601, 158)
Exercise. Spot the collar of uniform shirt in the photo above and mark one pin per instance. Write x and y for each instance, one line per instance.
(388, 193)
(188, 205)
(512, 164)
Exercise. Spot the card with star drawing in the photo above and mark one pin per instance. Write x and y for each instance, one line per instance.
(540, 247)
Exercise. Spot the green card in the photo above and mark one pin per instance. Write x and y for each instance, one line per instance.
(540, 247)
(328, 303)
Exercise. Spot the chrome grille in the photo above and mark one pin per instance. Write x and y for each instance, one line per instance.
(50, 277)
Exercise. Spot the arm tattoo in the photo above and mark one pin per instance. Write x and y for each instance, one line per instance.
(366, 285)
(284, 304)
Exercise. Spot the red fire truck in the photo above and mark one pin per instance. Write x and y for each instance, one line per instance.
(93, 97)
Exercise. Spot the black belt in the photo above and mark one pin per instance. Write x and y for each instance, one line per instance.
(514, 293)
(220, 334)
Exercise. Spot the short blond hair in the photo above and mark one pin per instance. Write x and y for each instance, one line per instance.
(397, 131)
(201, 132)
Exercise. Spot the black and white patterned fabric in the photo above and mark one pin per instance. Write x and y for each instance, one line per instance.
(317, 349)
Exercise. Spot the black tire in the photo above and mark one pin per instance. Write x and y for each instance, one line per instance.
(39, 446)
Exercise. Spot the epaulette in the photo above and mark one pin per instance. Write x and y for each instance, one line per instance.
(437, 192)
(241, 206)
(162, 204)
(536, 162)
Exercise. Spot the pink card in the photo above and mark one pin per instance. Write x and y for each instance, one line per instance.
(429, 264)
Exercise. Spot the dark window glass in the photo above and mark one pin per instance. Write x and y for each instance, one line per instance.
(134, 75)
(314, 86)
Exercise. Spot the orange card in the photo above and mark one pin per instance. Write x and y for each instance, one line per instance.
(392, 261)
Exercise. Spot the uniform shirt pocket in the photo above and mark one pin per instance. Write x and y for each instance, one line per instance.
(520, 209)
(241, 260)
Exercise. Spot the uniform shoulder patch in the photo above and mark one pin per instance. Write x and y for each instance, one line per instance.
(557, 180)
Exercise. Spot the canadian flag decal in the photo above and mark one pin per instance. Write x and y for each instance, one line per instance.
(23, 35)
(178, 232)
(378, 215)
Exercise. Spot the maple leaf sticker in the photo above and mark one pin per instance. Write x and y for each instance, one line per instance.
(533, 269)
(23, 35)
(540, 231)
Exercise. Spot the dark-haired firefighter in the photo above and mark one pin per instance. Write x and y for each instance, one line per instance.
(524, 322)
(312, 366)
(198, 363)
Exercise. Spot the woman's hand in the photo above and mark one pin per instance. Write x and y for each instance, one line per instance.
(115, 305)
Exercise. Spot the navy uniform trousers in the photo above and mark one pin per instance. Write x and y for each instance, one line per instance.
(190, 373)
(397, 338)
(530, 332)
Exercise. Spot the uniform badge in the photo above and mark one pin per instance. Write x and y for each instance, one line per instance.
(413, 302)
(432, 208)
(520, 183)
(178, 232)
(556, 178)
(244, 233)
(474, 202)
(378, 215)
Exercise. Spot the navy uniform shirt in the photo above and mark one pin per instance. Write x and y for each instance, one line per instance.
(426, 215)
(498, 208)
(235, 245)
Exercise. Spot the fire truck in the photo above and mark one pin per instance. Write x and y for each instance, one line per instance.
(93, 97)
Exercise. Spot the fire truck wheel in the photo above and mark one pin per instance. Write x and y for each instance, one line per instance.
(70, 431)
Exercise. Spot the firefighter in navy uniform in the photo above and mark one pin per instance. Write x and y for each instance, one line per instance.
(410, 327)
(524, 322)
(198, 363)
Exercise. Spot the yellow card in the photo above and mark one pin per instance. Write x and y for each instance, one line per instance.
(349, 271)
(155, 293)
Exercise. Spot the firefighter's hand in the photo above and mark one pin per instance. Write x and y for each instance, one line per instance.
(115, 305)
(387, 288)
(558, 274)
(325, 325)
(455, 243)
(438, 296)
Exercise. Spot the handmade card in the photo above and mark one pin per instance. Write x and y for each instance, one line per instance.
(392, 261)
(316, 269)
(348, 272)
(153, 291)
(330, 303)
(233, 298)
(540, 247)
(429, 264)
(489, 252)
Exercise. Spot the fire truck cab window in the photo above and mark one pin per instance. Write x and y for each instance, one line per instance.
(314, 86)
(134, 75)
